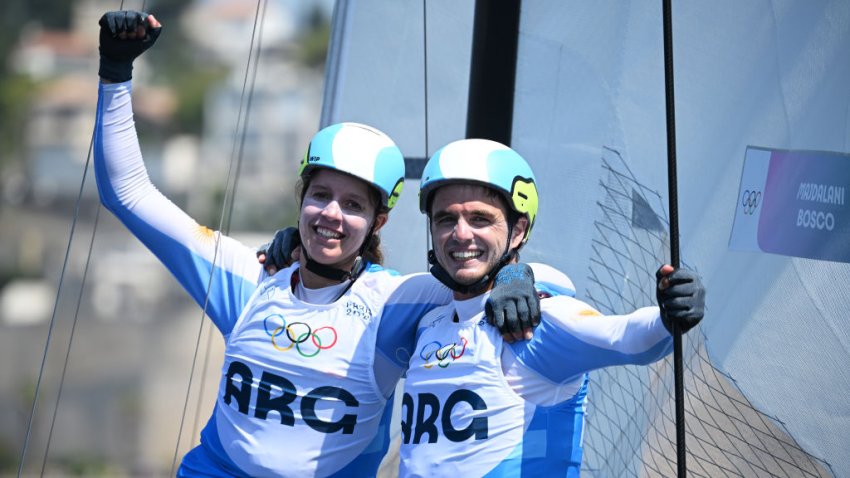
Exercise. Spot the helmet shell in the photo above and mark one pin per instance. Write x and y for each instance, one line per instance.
(484, 162)
(360, 151)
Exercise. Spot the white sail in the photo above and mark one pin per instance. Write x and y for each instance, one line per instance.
(769, 387)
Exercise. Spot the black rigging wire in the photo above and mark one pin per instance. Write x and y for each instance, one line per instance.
(681, 451)
(228, 216)
(53, 315)
(71, 338)
(232, 179)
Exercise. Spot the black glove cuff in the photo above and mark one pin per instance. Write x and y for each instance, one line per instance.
(118, 72)
(514, 272)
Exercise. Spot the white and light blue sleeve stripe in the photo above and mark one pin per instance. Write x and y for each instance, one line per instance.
(186, 248)
(410, 301)
(572, 339)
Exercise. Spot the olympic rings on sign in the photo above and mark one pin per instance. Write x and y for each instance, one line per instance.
(750, 201)
(297, 334)
(445, 354)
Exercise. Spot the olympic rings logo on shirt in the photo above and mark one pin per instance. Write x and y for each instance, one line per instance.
(297, 333)
(444, 354)
(750, 201)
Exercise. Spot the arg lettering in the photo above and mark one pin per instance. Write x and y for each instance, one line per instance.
(427, 410)
(239, 390)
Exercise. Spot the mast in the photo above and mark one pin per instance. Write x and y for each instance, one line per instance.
(493, 70)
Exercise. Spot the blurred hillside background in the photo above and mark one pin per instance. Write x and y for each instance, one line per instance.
(120, 353)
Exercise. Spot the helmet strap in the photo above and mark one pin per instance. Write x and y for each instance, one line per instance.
(333, 273)
(340, 275)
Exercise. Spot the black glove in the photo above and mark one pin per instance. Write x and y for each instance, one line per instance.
(117, 55)
(513, 305)
(279, 251)
(683, 301)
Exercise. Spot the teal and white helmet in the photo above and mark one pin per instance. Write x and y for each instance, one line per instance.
(484, 162)
(360, 151)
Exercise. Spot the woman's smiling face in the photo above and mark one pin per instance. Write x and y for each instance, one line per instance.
(337, 214)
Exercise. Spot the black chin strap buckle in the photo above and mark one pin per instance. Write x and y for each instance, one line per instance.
(432, 257)
(356, 268)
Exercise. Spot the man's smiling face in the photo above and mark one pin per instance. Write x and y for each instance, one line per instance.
(469, 226)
